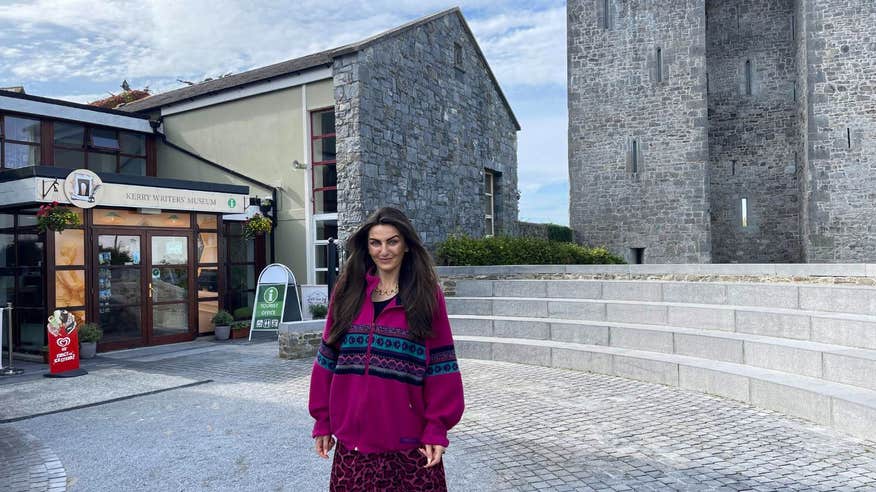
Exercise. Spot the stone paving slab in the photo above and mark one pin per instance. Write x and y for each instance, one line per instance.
(525, 428)
(47, 395)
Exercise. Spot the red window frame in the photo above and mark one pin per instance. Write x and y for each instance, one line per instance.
(316, 164)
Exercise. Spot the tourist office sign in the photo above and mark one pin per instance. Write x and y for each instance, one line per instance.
(276, 299)
(269, 303)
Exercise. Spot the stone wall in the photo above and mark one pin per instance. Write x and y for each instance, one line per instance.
(841, 130)
(754, 146)
(416, 131)
(799, 147)
(617, 96)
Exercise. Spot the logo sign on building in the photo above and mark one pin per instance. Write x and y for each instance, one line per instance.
(276, 299)
(63, 342)
(83, 188)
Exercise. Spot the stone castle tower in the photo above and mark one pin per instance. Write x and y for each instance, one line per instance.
(724, 130)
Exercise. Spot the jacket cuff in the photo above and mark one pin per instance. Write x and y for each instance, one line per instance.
(321, 428)
(435, 433)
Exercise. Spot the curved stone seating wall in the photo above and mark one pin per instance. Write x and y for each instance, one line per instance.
(798, 343)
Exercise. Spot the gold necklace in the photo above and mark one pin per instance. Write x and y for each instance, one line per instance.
(386, 292)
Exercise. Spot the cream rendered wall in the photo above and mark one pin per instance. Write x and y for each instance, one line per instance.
(260, 137)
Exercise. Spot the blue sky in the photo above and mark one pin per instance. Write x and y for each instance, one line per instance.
(81, 50)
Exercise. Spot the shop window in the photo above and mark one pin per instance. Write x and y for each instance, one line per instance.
(102, 150)
(19, 142)
(121, 217)
(207, 221)
(70, 247)
(69, 288)
(22, 280)
(241, 266)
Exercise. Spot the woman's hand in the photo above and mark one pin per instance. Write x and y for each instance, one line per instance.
(433, 454)
(324, 444)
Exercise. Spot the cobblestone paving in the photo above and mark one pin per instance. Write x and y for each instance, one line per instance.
(30, 465)
(525, 428)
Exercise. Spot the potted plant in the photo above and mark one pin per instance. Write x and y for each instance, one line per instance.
(222, 324)
(318, 311)
(54, 217)
(89, 335)
(240, 329)
(257, 225)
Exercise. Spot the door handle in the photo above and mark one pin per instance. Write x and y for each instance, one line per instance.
(151, 291)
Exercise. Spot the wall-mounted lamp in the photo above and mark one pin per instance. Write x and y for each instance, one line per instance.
(298, 165)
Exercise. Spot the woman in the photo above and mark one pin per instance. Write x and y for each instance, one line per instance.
(385, 381)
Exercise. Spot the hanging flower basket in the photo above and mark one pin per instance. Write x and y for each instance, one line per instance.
(54, 217)
(257, 225)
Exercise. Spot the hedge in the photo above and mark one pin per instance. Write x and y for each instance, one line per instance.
(501, 250)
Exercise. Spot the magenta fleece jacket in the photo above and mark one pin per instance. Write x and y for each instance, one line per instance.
(380, 389)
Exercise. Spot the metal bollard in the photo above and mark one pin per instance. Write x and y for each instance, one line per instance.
(332, 264)
(9, 370)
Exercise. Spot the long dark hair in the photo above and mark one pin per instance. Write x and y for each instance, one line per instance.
(417, 279)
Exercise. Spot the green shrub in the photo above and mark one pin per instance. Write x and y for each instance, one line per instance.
(501, 250)
(244, 312)
(90, 332)
(560, 233)
(222, 318)
(318, 310)
(238, 325)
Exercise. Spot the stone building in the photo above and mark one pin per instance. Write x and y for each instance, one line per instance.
(715, 131)
(412, 117)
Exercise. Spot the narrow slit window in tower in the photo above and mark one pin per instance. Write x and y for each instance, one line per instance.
(659, 61)
(744, 212)
(634, 157)
(733, 168)
(747, 77)
(606, 14)
(793, 27)
(849, 137)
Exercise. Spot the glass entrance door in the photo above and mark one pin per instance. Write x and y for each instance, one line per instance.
(169, 300)
(120, 288)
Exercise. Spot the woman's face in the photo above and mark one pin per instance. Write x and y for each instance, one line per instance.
(387, 247)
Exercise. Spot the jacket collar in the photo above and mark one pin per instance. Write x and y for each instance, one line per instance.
(371, 281)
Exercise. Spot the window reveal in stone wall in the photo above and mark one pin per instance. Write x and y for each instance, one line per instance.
(747, 77)
(606, 14)
(658, 60)
(457, 56)
(634, 157)
(489, 203)
(744, 209)
(849, 137)
(733, 168)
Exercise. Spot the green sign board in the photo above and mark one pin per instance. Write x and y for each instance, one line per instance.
(269, 305)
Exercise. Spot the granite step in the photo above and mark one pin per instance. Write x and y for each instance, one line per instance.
(835, 363)
(848, 408)
(850, 330)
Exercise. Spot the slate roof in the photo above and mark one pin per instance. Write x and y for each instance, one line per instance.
(307, 62)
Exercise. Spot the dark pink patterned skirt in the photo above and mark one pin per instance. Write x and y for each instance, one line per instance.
(395, 471)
